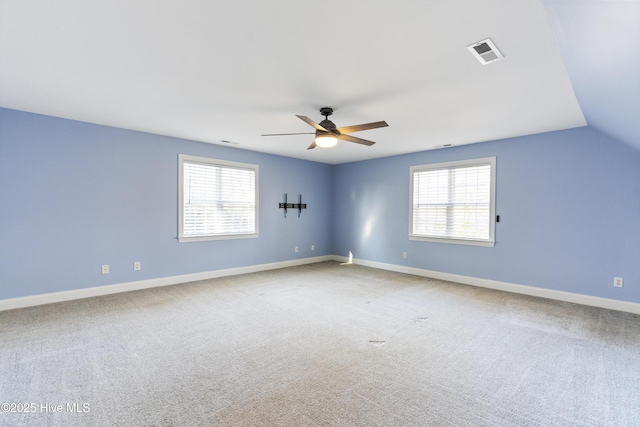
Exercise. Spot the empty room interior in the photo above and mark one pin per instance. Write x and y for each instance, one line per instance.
(321, 213)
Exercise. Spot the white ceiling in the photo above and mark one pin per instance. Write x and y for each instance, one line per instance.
(233, 70)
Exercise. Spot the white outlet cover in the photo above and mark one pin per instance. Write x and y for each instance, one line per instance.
(105, 269)
(618, 282)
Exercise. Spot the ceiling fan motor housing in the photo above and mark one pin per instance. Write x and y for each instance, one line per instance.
(328, 125)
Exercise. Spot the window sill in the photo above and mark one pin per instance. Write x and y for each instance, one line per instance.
(486, 243)
(186, 239)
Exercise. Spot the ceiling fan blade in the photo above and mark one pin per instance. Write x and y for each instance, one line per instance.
(312, 146)
(366, 126)
(311, 123)
(355, 139)
(284, 134)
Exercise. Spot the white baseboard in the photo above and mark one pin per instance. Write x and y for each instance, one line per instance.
(33, 300)
(607, 303)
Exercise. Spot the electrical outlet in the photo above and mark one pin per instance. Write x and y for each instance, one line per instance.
(105, 269)
(313, 247)
(617, 282)
(404, 255)
(136, 266)
(295, 249)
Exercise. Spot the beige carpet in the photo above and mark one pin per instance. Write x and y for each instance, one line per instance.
(322, 344)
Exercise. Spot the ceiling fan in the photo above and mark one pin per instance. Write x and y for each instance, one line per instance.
(327, 134)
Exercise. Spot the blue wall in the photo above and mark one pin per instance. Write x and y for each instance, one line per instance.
(569, 206)
(74, 196)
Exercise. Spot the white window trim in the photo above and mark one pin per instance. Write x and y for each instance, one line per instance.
(210, 161)
(492, 207)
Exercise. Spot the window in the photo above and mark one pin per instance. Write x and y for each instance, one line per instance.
(217, 199)
(454, 202)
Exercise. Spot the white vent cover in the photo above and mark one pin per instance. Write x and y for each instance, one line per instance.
(485, 51)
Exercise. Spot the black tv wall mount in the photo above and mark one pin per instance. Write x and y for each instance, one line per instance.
(298, 205)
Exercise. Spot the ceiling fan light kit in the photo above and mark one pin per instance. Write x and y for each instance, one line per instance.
(327, 134)
(326, 140)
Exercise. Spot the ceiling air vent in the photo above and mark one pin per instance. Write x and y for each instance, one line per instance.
(485, 51)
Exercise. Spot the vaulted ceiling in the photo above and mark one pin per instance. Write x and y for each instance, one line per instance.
(225, 72)
(600, 46)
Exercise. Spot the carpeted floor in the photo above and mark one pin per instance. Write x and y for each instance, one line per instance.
(321, 344)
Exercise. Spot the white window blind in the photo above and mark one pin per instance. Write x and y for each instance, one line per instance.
(454, 202)
(218, 199)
